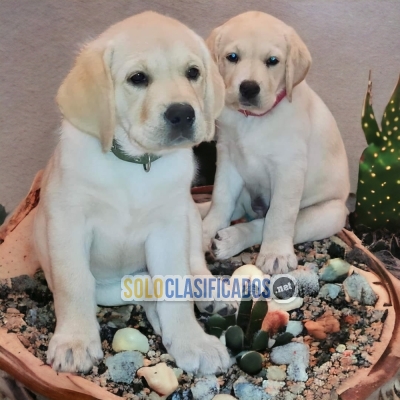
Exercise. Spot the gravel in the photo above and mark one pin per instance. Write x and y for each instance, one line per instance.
(331, 361)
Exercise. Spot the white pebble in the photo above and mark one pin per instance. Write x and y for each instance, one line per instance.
(178, 372)
(341, 348)
(294, 327)
(130, 339)
(167, 357)
(297, 356)
(275, 373)
(205, 388)
(272, 387)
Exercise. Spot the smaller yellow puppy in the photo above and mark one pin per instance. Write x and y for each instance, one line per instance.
(281, 159)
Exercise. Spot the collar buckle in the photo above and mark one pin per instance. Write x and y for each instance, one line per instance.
(147, 165)
(146, 159)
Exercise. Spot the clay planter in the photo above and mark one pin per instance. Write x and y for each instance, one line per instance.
(387, 365)
(17, 257)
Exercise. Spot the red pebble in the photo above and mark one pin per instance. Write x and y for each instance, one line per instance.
(274, 320)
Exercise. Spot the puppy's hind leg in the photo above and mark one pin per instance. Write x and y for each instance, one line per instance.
(233, 240)
(320, 221)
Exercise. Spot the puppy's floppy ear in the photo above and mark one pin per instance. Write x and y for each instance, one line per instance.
(86, 97)
(212, 43)
(298, 61)
(215, 86)
(214, 95)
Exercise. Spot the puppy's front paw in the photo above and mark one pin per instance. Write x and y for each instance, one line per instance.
(74, 352)
(199, 353)
(207, 237)
(226, 243)
(211, 224)
(276, 259)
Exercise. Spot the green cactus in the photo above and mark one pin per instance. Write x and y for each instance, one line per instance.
(243, 334)
(378, 193)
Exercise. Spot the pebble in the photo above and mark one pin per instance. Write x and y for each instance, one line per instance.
(340, 348)
(294, 327)
(224, 397)
(336, 270)
(325, 324)
(222, 339)
(297, 356)
(154, 396)
(272, 387)
(312, 266)
(245, 390)
(236, 261)
(160, 378)
(274, 321)
(246, 258)
(180, 395)
(123, 366)
(307, 281)
(178, 372)
(275, 373)
(12, 310)
(248, 270)
(339, 242)
(121, 317)
(205, 388)
(167, 357)
(331, 290)
(130, 339)
(357, 288)
(297, 387)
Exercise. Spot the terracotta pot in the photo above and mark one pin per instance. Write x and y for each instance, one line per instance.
(17, 257)
(367, 382)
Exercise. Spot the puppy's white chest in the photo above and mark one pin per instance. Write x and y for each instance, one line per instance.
(252, 151)
(122, 203)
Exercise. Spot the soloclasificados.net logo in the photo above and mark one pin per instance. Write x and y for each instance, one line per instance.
(136, 288)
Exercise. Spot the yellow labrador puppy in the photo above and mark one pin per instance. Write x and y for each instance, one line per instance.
(281, 159)
(116, 193)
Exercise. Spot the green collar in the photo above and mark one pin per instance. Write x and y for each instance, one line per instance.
(146, 159)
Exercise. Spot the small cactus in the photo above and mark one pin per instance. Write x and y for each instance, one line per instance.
(378, 193)
(243, 334)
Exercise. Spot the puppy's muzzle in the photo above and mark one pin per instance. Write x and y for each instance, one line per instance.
(249, 91)
(180, 118)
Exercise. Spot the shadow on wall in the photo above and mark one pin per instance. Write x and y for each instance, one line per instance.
(3, 214)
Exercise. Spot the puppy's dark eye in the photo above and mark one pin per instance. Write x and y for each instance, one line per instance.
(271, 61)
(192, 73)
(232, 57)
(139, 79)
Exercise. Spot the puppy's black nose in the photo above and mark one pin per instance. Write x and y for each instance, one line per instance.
(249, 89)
(180, 115)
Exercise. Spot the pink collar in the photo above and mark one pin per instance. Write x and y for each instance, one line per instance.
(279, 98)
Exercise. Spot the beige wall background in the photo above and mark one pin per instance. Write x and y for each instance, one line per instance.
(39, 38)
